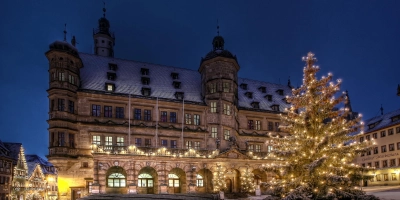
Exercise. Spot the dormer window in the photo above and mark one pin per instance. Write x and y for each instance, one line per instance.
(243, 86)
(111, 76)
(144, 71)
(145, 80)
(255, 105)
(371, 126)
(112, 67)
(275, 107)
(174, 75)
(249, 94)
(285, 100)
(395, 118)
(268, 97)
(176, 84)
(262, 89)
(146, 91)
(179, 95)
(280, 92)
(110, 87)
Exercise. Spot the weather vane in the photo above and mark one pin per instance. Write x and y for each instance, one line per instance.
(65, 32)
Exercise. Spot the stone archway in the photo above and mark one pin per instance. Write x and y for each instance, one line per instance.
(177, 181)
(232, 177)
(116, 180)
(204, 181)
(147, 181)
(259, 176)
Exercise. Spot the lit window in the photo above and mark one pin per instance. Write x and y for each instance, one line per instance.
(110, 87)
(383, 148)
(71, 79)
(116, 180)
(196, 119)
(120, 141)
(214, 132)
(226, 87)
(394, 177)
(188, 118)
(188, 144)
(257, 148)
(145, 180)
(96, 139)
(196, 145)
(227, 134)
(108, 141)
(258, 125)
(213, 107)
(61, 76)
(227, 109)
(199, 180)
(212, 88)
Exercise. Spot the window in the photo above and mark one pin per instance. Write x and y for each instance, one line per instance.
(88, 186)
(395, 118)
(196, 119)
(383, 133)
(119, 112)
(145, 80)
(226, 87)
(392, 162)
(368, 153)
(174, 144)
(107, 111)
(163, 116)
(368, 137)
(249, 94)
(227, 134)
(172, 117)
(71, 140)
(268, 97)
(196, 145)
(269, 149)
(174, 75)
(147, 115)
(377, 164)
(120, 141)
(227, 109)
(71, 79)
(280, 92)
(378, 177)
(188, 144)
(376, 150)
(375, 135)
(145, 180)
(361, 139)
(199, 181)
(258, 125)
(176, 84)
(257, 148)
(398, 129)
(275, 107)
(70, 106)
(243, 86)
(110, 87)
(146, 91)
(394, 177)
(111, 76)
(61, 139)
(270, 126)
(212, 88)
(384, 163)
(398, 146)
(179, 95)
(255, 105)
(85, 164)
(147, 142)
(214, 132)
(52, 105)
(385, 177)
(108, 141)
(61, 76)
(138, 142)
(251, 147)
(61, 104)
(262, 89)
(250, 124)
(390, 131)
(188, 118)
(277, 129)
(138, 114)
(116, 180)
(96, 140)
(164, 143)
(96, 110)
(383, 149)
(213, 107)
(391, 147)
(144, 71)
(369, 164)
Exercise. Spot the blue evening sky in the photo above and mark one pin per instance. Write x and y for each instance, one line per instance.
(358, 41)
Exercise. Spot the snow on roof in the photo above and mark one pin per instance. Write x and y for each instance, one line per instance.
(128, 81)
(14, 149)
(381, 121)
(33, 160)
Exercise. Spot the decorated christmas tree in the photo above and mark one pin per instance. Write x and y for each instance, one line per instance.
(247, 181)
(316, 157)
(219, 179)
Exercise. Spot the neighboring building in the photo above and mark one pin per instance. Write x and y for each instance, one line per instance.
(6, 172)
(42, 178)
(385, 156)
(19, 183)
(121, 126)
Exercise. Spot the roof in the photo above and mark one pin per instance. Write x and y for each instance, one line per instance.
(33, 160)
(14, 149)
(4, 152)
(128, 81)
(382, 121)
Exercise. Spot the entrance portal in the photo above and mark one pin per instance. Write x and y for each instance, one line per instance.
(147, 181)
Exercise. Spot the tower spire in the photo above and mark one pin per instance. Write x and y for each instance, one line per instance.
(217, 28)
(348, 103)
(381, 110)
(398, 90)
(104, 9)
(65, 32)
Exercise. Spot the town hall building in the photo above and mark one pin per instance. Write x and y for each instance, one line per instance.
(123, 126)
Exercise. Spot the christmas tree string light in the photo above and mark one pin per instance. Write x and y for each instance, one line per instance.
(315, 157)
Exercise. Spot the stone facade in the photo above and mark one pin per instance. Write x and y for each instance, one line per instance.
(105, 141)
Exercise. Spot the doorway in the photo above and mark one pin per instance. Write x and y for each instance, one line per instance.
(146, 181)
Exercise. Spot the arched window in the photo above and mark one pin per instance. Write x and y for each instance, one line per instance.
(116, 180)
(173, 180)
(199, 180)
(145, 180)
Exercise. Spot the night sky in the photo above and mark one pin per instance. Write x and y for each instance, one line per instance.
(358, 41)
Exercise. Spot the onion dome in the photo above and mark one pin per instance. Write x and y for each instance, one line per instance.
(63, 46)
(218, 50)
